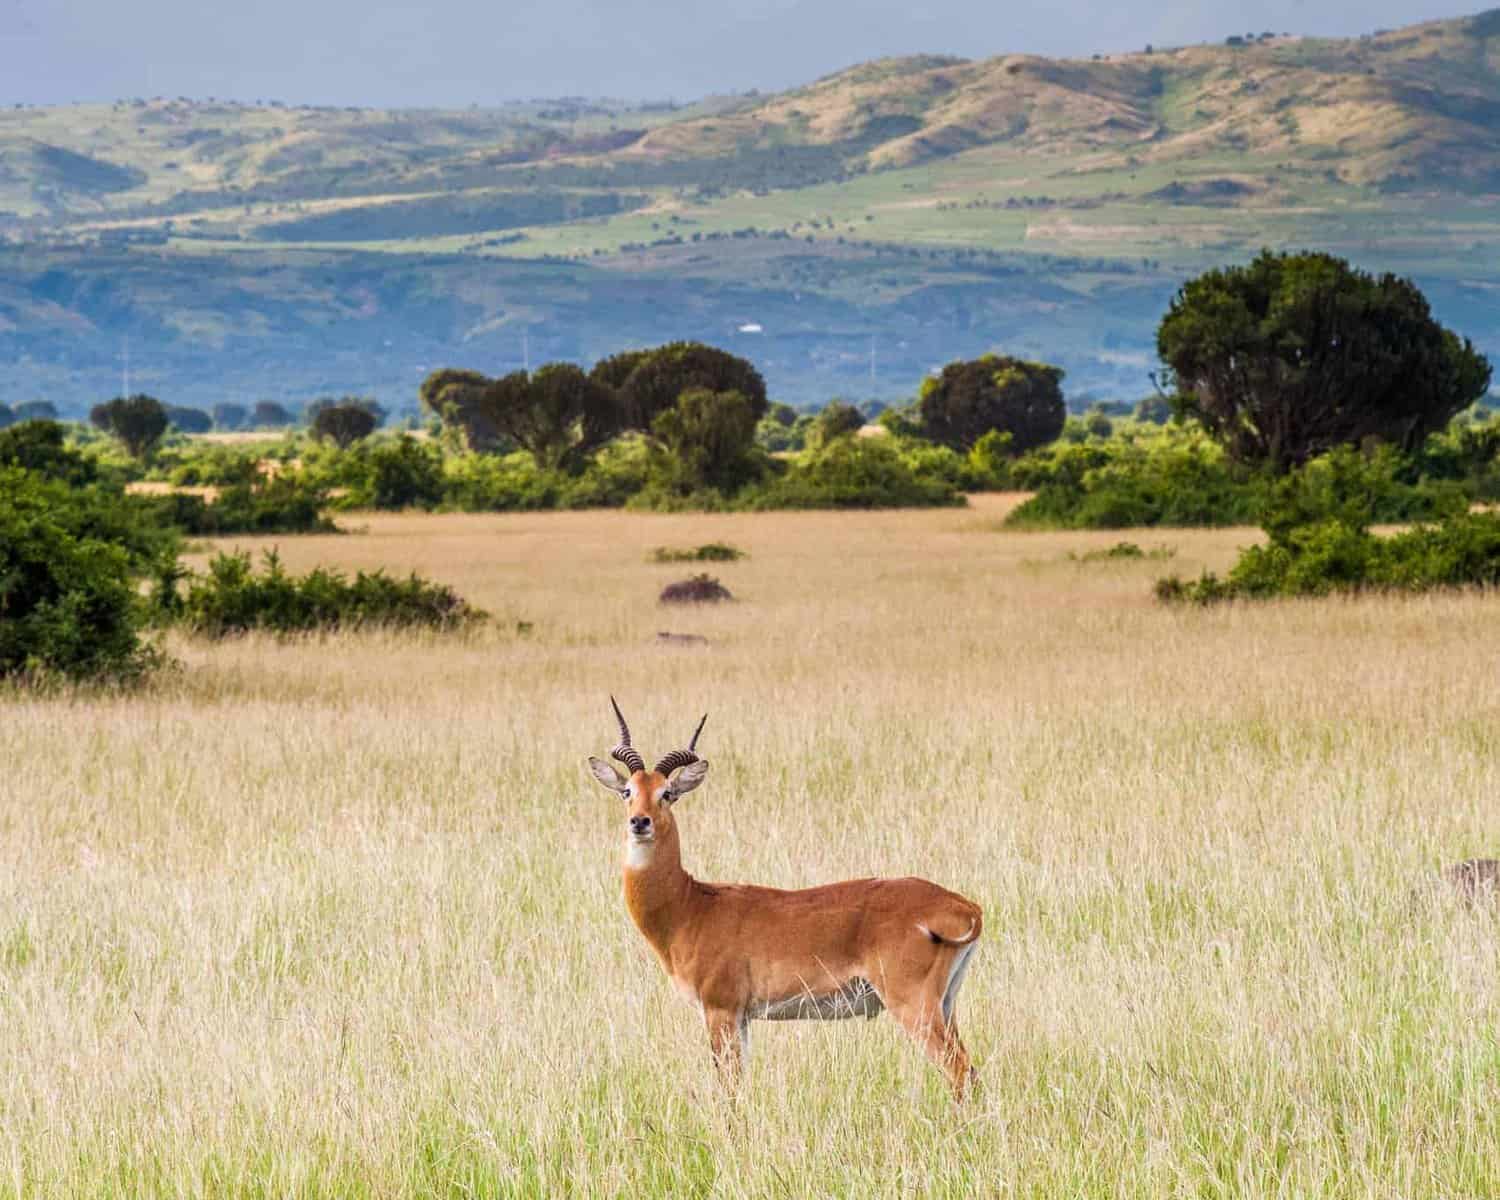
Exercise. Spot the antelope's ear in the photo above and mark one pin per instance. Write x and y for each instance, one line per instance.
(608, 776)
(684, 780)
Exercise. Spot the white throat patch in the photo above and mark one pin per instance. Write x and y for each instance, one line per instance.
(638, 855)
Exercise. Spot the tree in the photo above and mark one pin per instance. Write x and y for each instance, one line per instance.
(1157, 410)
(188, 420)
(372, 406)
(617, 368)
(229, 416)
(269, 415)
(708, 436)
(37, 410)
(67, 597)
(1296, 354)
(454, 397)
(835, 421)
(968, 399)
(41, 447)
(557, 414)
(343, 424)
(658, 377)
(7, 417)
(138, 421)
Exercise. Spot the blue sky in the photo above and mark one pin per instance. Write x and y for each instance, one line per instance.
(456, 52)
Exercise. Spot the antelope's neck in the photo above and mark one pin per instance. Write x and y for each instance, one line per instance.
(657, 891)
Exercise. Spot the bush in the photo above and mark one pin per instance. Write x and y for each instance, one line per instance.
(1333, 556)
(1170, 480)
(705, 443)
(283, 504)
(852, 473)
(712, 552)
(393, 475)
(232, 599)
(68, 605)
(1317, 522)
(40, 446)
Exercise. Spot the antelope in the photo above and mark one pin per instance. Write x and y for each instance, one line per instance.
(743, 953)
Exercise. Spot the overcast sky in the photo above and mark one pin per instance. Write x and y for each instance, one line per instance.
(457, 52)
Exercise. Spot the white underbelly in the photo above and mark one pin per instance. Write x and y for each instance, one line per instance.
(855, 999)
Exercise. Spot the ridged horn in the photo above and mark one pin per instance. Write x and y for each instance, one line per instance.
(681, 758)
(625, 752)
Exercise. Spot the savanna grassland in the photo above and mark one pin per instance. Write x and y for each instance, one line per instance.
(342, 917)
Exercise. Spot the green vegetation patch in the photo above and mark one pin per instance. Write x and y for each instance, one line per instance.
(709, 552)
(232, 599)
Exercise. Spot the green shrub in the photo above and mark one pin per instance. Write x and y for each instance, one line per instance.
(852, 473)
(1332, 556)
(711, 552)
(282, 504)
(392, 474)
(41, 446)
(68, 606)
(1173, 481)
(1127, 551)
(232, 599)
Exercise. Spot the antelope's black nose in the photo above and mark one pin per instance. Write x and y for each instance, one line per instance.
(640, 826)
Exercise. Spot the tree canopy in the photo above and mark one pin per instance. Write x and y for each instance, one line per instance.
(650, 381)
(343, 424)
(1296, 354)
(558, 414)
(138, 421)
(709, 436)
(454, 396)
(1010, 395)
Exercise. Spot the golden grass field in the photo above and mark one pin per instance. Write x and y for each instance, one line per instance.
(342, 917)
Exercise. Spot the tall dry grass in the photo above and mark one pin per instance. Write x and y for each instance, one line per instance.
(341, 917)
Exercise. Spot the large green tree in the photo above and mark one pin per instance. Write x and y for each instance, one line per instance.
(455, 396)
(343, 424)
(138, 421)
(556, 413)
(649, 382)
(1295, 354)
(707, 437)
(967, 400)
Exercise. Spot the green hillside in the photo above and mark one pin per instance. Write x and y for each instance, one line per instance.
(929, 206)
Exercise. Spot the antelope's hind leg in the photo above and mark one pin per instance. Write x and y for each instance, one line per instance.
(929, 1014)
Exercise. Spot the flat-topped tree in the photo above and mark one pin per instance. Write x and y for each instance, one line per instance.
(1296, 354)
(269, 415)
(557, 414)
(230, 416)
(188, 420)
(453, 396)
(138, 421)
(343, 424)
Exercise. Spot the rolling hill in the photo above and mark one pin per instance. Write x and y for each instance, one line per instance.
(925, 207)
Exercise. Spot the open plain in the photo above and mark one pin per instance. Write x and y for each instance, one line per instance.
(341, 917)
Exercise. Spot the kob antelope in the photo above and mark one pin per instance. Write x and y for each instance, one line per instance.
(744, 953)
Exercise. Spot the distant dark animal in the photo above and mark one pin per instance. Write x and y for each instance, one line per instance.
(700, 589)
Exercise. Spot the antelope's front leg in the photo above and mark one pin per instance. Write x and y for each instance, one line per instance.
(728, 1038)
